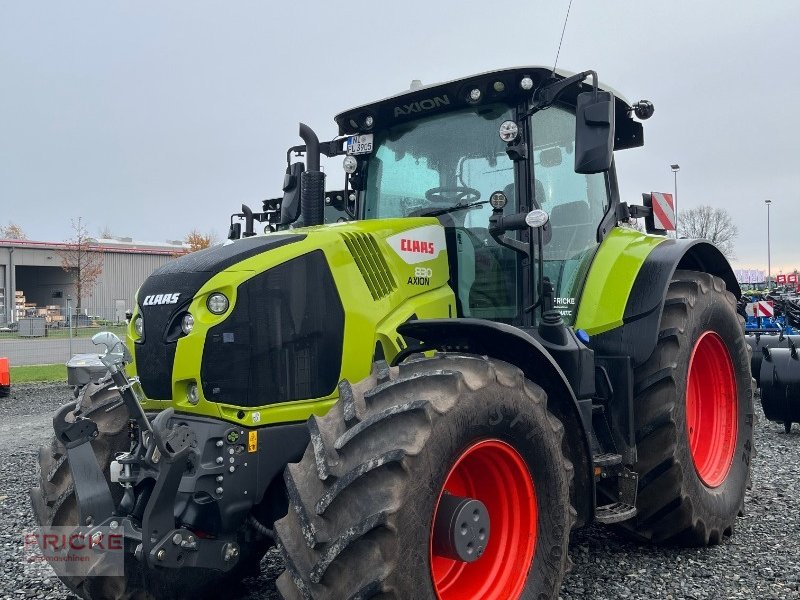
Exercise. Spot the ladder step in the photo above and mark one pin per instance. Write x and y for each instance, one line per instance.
(614, 513)
(607, 460)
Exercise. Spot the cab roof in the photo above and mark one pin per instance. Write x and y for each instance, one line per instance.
(501, 85)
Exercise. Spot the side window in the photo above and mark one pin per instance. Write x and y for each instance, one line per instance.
(576, 204)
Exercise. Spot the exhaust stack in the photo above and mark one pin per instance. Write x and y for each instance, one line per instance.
(312, 181)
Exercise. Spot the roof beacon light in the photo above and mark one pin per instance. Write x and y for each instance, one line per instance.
(350, 164)
(509, 131)
(526, 83)
(474, 95)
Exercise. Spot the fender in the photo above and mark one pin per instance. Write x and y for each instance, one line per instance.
(513, 345)
(638, 335)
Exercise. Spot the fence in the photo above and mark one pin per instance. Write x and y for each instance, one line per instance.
(53, 335)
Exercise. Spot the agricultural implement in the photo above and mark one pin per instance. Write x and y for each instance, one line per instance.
(424, 399)
(772, 335)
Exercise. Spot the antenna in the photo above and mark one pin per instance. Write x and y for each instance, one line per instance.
(558, 52)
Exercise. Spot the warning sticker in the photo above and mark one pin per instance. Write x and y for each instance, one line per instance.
(252, 441)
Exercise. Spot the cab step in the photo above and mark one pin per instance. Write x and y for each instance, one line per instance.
(607, 460)
(614, 513)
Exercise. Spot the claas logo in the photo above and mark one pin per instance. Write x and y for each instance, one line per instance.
(409, 245)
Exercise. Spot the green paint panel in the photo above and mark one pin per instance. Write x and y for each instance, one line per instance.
(611, 278)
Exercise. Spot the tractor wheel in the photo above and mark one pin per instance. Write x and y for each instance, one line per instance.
(443, 478)
(694, 417)
(54, 504)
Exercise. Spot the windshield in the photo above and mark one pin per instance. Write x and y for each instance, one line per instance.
(435, 163)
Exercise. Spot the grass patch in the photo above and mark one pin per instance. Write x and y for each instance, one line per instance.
(63, 333)
(38, 373)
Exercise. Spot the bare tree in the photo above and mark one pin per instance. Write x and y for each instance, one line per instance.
(634, 224)
(12, 231)
(82, 260)
(106, 233)
(199, 241)
(712, 224)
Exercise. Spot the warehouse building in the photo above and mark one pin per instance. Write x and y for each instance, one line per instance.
(33, 281)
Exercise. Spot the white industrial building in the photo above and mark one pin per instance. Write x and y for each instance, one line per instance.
(34, 283)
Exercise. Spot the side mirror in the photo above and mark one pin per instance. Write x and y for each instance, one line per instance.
(594, 132)
(235, 231)
(290, 207)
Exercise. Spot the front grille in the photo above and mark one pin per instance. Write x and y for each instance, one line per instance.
(281, 342)
(371, 263)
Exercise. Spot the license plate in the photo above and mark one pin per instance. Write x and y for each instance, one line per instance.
(359, 144)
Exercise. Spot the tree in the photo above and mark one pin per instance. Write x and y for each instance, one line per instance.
(634, 224)
(199, 241)
(82, 260)
(712, 224)
(12, 231)
(106, 233)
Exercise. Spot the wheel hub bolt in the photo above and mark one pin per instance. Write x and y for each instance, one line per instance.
(161, 554)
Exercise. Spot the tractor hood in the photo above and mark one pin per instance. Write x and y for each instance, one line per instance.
(286, 338)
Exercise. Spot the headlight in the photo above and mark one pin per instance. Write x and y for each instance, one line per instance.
(187, 323)
(217, 303)
(192, 395)
(509, 131)
(138, 325)
(350, 164)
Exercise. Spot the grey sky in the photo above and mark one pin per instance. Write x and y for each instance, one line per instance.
(156, 118)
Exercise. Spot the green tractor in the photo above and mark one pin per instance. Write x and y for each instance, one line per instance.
(426, 396)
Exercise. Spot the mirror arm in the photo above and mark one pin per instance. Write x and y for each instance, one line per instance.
(498, 225)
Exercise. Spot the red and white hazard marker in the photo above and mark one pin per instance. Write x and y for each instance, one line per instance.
(762, 308)
(663, 211)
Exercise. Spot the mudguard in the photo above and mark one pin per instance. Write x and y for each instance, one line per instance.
(638, 334)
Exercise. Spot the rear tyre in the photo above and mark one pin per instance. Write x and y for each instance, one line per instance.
(694, 418)
(364, 497)
(54, 502)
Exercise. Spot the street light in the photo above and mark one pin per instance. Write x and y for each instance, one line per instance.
(675, 169)
(769, 265)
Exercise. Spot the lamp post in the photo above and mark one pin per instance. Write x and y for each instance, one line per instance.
(769, 265)
(675, 169)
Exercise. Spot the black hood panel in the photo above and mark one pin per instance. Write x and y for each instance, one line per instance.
(165, 295)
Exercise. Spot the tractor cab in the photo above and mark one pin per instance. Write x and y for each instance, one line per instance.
(498, 144)
(473, 153)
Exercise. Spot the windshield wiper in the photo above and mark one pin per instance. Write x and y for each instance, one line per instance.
(443, 211)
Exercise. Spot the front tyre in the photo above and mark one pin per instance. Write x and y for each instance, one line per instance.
(694, 417)
(371, 503)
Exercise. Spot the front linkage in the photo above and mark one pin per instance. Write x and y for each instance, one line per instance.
(164, 451)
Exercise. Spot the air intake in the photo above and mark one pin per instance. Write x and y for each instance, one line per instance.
(371, 263)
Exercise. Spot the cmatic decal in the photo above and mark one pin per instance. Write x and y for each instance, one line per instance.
(418, 245)
(159, 299)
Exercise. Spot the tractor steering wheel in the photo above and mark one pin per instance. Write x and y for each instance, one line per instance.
(456, 194)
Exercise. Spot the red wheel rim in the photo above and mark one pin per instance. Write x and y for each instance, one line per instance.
(711, 409)
(494, 473)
